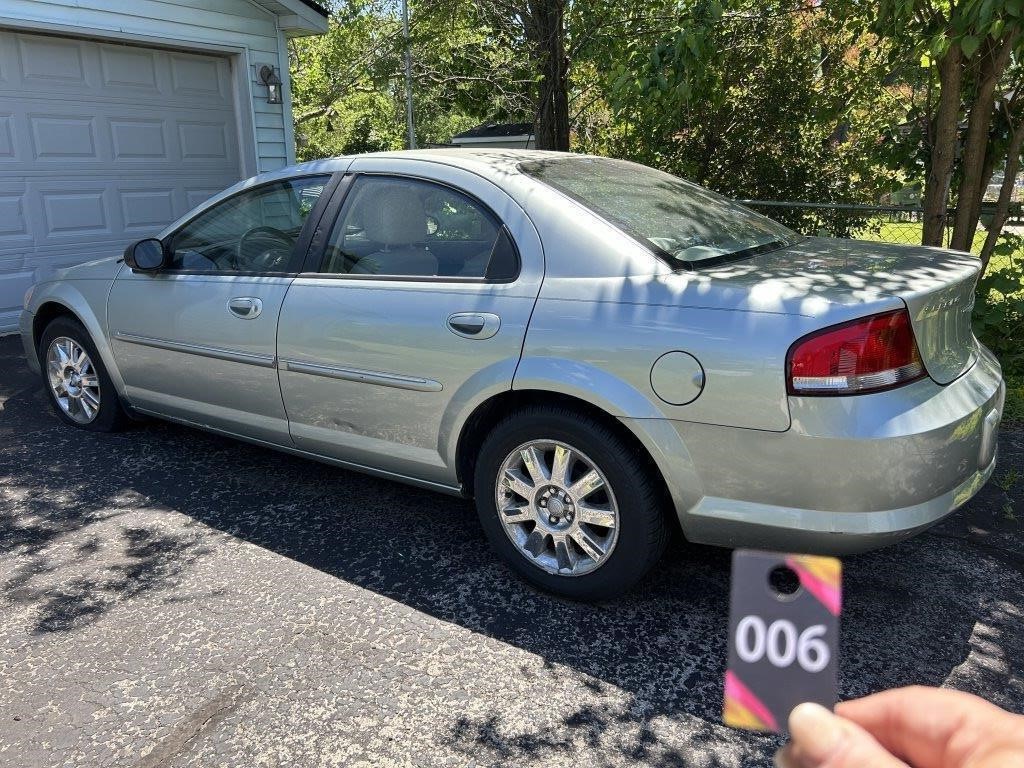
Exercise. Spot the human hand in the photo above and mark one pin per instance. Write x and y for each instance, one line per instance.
(917, 726)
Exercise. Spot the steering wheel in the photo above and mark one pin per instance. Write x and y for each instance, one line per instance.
(275, 248)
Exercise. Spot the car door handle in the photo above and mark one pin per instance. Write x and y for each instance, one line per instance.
(245, 307)
(474, 325)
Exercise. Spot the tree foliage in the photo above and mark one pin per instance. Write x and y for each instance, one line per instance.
(968, 48)
(840, 101)
(347, 85)
(768, 100)
(765, 100)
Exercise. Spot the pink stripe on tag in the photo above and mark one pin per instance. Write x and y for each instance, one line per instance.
(736, 691)
(828, 594)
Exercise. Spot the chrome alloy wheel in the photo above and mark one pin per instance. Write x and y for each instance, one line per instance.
(73, 379)
(557, 507)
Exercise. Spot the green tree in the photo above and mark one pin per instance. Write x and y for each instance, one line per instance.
(536, 32)
(757, 100)
(968, 47)
(340, 95)
(347, 90)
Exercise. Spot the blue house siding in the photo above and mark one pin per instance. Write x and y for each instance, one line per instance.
(141, 109)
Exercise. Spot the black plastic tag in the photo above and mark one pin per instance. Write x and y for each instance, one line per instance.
(783, 637)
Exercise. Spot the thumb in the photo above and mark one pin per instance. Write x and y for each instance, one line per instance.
(820, 739)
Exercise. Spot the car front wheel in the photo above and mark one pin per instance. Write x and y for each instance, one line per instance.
(77, 383)
(569, 504)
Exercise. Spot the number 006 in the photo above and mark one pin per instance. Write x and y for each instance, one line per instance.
(781, 643)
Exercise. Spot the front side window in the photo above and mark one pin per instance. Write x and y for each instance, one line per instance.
(254, 231)
(402, 227)
(686, 225)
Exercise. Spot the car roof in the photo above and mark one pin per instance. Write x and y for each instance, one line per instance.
(485, 162)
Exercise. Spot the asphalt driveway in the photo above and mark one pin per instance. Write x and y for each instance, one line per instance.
(171, 598)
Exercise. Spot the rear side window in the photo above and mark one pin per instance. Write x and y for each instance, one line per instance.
(399, 227)
(684, 224)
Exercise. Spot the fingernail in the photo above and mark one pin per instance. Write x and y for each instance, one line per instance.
(815, 729)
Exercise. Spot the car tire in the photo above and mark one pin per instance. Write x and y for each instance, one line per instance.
(107, 414)
(637, 503)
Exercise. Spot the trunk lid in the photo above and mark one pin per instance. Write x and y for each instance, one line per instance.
(937, 286)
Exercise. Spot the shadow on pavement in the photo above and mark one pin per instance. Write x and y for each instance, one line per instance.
(936, 609)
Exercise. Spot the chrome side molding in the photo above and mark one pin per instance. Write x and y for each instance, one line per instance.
(218, 353)
(367, 377)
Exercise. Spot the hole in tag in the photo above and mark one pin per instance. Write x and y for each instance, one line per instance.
(784, 582)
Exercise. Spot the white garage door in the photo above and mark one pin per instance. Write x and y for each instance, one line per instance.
(102, 144)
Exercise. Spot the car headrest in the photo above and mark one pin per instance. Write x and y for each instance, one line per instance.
(394, 216)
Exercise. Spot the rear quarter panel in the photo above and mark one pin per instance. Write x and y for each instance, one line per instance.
(599, 338)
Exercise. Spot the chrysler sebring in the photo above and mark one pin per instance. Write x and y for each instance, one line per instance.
(595, 351)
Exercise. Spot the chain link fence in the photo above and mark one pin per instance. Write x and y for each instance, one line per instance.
(883, 223)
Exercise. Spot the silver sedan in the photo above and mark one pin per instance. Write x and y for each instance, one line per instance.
(595, 351)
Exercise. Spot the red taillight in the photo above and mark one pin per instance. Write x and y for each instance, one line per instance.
(866, 355)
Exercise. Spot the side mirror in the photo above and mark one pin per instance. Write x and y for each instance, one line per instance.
(145, 255)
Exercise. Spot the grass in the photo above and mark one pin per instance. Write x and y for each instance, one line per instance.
(880, 230)
(1009, 479)
(909, 233)
(1013, 411)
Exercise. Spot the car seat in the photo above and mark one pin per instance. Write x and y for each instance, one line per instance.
(395, 218)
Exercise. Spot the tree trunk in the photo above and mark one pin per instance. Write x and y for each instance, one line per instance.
(988, 169)
(968, 200)
(1005, 191)
(943, 149)
(547, 30)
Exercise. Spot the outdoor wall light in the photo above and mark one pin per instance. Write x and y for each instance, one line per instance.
(273, 83)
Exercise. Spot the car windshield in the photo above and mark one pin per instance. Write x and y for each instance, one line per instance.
(684, 224)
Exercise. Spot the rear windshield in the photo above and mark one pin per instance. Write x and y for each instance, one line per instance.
(684, 224)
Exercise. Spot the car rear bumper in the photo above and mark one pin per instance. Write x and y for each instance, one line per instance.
(735, 523)
(25, 328)
(852, 473)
